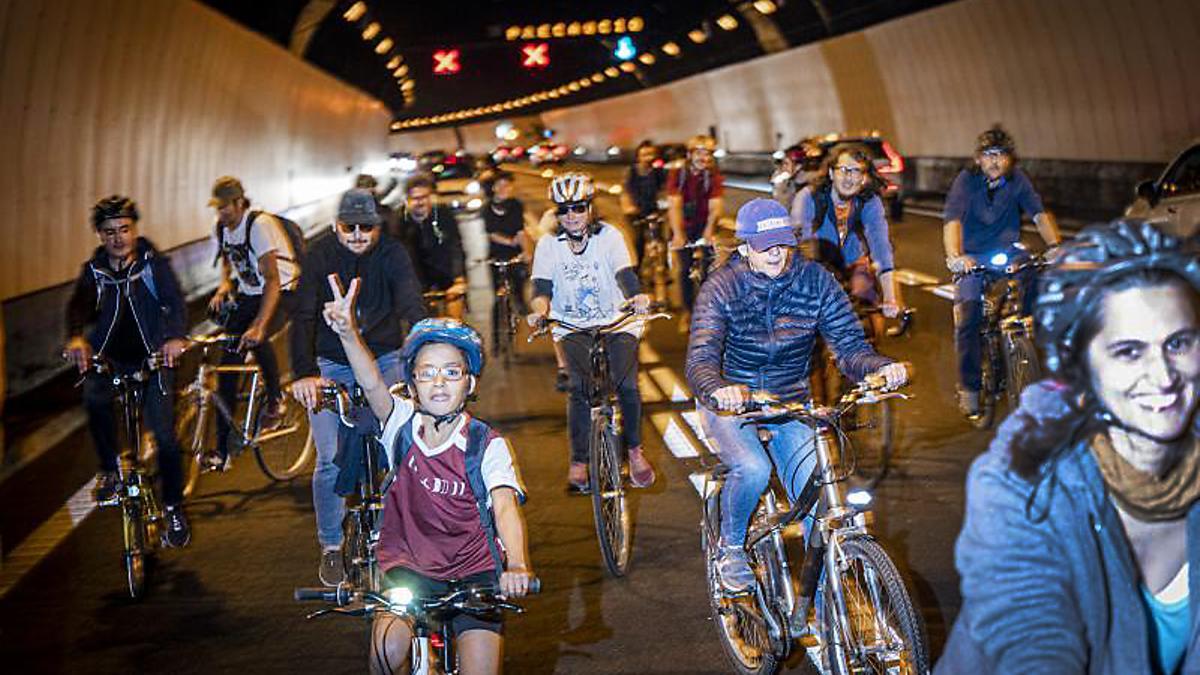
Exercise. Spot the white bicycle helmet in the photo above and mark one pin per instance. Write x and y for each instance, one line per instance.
(572, 187)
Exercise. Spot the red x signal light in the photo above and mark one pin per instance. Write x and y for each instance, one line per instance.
(445, 62)
(536, 55)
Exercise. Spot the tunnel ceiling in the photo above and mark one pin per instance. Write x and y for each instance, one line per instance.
(491, 71)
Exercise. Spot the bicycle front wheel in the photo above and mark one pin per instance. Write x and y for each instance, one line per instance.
(193, 439)
(876, 629)
(284, 451)
(872, 431)
(133, 525)
(613, 527)
(1022, 366)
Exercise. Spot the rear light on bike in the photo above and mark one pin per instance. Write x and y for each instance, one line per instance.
(436, 640)
(895, 161)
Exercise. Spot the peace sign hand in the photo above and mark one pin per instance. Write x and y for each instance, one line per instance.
(339, 312)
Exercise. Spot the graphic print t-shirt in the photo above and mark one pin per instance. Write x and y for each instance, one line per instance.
(266, 235)
(430, 518)
(585, 285)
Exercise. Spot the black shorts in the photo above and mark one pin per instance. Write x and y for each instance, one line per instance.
(423, 585)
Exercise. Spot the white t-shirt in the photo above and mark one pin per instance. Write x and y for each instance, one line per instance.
(498, 468)
(266, 235)
(586, 293)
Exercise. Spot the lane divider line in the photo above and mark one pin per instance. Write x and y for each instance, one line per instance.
(46, 537)
(673, 436)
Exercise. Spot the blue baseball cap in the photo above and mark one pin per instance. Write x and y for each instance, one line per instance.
(764, 223)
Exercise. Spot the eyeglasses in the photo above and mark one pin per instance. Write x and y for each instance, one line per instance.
(349, 228)
(577, 207)
(430, 373)
(994, 152)
(849, 171)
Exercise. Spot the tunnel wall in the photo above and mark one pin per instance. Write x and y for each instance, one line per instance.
(1081, 80)
(153, 100)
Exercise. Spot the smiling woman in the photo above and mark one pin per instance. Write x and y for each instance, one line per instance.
(1099, 466)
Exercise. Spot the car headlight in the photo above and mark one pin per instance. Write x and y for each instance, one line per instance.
(399, 595)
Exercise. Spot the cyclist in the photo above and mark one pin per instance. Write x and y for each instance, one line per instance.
(387, 215)
(504, 221)
(983, 217)
(643, 183)
(389, 297)
(455, 489)
(844, 215)
(129, 294)
(756, 320)
(1079, 550)
(431, 232)
(259, 268)
(583, 275)
(696, 204)
(793, 173)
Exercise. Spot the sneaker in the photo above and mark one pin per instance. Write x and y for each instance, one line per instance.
(105, 492)
(272, 415)
(332, 571)
(577, 479)
(968, 402)
(178, 532)
(733, 570)
(563, 381)
(213, 460)
(641, 473)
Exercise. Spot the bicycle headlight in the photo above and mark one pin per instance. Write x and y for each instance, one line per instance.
(859, 498)
(473, 187)
(1000, 259)
(399, 595)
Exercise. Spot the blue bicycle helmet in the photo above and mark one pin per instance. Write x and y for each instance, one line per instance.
(444, 330)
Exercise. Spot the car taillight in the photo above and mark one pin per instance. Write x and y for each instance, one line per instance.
(895, 161)
(657, 163)
(452, 159)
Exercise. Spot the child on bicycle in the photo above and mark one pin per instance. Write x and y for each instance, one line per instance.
(755, 323)
(455, 490)
(583, 274)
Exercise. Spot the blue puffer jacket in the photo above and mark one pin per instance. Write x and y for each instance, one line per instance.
(750, 329)
(1049, 582)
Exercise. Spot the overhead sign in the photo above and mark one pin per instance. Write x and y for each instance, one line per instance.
(445, 62)
(536, 55)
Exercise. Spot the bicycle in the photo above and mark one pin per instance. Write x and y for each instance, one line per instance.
(653, 269)
(360, 527)
(433, 644)
(1008, 356)
(141, 513)
(437, 303)
(505, 316)
(279, 451)
(605, 484)
(707, 261)
(864, 619)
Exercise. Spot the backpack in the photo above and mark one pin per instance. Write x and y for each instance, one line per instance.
(294, 234)
(478, 437)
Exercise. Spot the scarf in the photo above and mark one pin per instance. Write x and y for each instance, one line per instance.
(1145, 496)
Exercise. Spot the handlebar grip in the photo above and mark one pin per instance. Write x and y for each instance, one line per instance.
(314, 595)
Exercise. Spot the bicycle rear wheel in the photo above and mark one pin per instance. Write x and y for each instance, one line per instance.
(284, 451)
(1022, 367)
(741, 627)
(872, 431)
(877, 629)
(613, 526)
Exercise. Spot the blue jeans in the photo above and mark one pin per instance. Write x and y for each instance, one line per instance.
(791, 449)
(330, 506)
(968, 320)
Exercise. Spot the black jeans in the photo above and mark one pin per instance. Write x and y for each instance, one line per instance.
(158, 414)
(623, 369)
(239, 321)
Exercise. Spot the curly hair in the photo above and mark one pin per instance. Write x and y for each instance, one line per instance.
(874, 183)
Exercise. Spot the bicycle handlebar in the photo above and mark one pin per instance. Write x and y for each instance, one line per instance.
(335, 398)
(626, 317)
(499, 264)
(903, 321)
(872, 389)
(473, 599)
(1032, 260)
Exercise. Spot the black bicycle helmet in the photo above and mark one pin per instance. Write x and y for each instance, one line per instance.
(995, 138)
(1069, 287)
(115, 206)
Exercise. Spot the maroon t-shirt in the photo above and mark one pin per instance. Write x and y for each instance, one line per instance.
(430, 518)
(696, 188)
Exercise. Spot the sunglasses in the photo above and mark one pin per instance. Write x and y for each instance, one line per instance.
(430, 373)
(349, 228)
(577, 207)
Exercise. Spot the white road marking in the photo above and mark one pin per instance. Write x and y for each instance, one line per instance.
(46, 537)
(673, 436)
(692, 417)
(914, 278)
(668, 381)
(944, 291)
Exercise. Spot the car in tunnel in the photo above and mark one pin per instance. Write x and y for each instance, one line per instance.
(447, 165)
(887, 160)
(1174, 197)
(548, 152)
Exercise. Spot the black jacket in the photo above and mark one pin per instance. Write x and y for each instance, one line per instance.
(436, 246)
(151, 289)
(388, 296)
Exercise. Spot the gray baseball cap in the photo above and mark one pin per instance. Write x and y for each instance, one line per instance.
(358, 207)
